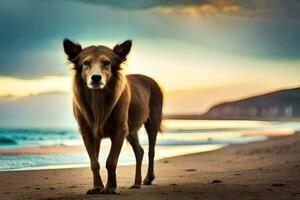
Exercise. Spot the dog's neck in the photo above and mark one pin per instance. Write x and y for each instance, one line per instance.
(96, 105)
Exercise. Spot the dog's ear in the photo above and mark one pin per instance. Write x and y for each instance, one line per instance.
(123, 49)
(71, 49)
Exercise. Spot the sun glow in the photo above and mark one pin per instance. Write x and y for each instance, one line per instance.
(17, 87)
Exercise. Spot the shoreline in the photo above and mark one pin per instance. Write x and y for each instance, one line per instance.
(64, 151)
(163, 152)
(260, 170)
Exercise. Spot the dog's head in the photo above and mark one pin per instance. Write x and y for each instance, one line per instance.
(96, 64)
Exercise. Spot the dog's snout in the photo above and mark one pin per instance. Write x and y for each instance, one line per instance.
(96, 78)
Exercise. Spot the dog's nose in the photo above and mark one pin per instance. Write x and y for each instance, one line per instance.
(96, 78)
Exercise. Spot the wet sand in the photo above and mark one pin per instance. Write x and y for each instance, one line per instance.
(42, 150)
(260, 170)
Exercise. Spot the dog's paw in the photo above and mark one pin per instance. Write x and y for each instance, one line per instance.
(95, 190)
(135, 186)
(109, 191)
(148, 180)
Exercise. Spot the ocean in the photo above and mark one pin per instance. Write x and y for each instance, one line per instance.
(179, 137)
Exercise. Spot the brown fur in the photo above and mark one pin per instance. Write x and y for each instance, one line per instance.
(117, 111)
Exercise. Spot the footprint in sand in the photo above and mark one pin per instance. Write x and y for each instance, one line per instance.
(190, 170)
(278, 184)
(216, 181)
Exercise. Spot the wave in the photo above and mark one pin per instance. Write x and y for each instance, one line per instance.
(174, 135)
(7, 141)
(24, 137)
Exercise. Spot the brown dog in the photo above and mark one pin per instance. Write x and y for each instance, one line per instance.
(107, 103)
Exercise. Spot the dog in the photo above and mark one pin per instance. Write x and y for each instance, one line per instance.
(106, 103)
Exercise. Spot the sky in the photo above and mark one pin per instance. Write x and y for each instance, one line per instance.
(202, 52)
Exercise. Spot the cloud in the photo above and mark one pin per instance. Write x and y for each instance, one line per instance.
(31, 46)
(42, 110)
(279, 9)
(189, 7)
(205, 7)
(140, 4)
(17, 87)
(254, 8)
(31, 42)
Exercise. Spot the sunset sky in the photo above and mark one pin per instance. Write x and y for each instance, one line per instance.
(202, 52)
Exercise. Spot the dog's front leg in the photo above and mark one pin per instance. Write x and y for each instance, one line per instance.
(117, 139)
(92, 146)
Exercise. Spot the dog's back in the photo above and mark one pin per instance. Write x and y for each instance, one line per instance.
(145, 104)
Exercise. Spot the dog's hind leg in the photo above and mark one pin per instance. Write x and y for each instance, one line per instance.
(152, 129)
(133, 139)
(152, 126)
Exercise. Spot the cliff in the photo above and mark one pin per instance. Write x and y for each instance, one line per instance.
(278, 104)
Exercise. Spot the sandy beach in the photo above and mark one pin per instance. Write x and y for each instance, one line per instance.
(260, 170)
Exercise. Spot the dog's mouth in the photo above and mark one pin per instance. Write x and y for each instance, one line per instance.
(96, 86)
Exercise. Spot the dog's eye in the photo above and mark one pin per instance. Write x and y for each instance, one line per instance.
(106, 63)
(87, 63)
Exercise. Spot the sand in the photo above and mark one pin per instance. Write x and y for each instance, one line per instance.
(261, 170)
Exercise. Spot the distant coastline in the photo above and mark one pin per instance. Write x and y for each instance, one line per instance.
(281, 105)
(203, 117)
